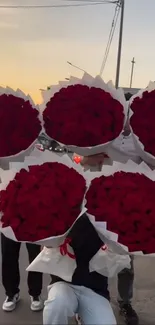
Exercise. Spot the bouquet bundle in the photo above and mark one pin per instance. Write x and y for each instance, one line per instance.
(84, 114)
(20, 125)
(44, 200)
(38, 202)
(124, 200)
(44, 204)
(142, 117)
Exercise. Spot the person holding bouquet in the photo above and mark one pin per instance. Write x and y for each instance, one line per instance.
(11, 275)
(126, 276)
(87, 294)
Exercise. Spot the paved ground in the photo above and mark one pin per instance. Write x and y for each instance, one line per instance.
(144, 296)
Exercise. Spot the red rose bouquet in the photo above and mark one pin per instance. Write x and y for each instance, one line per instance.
(142, 123)
(20, 125)
(41, 202)
(124, 202)
(85, 115)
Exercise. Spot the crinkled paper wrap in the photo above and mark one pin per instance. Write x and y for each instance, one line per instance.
(108, 237)
(51, 261)
(146, 156)
(7, 176)
(108, 263)
(121, 150)
(97, 82)
(124, 149)
(4, 161)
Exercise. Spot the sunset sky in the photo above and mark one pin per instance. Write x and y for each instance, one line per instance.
(36, 44)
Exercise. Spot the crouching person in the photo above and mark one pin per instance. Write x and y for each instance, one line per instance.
(87, 294)
(65, 300)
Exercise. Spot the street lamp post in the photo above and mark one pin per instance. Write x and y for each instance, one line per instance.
(132, 70)
(122, 4)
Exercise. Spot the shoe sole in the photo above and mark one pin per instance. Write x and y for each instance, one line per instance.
(133, 322)
(37, 309)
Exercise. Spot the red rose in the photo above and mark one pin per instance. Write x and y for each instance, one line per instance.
(142, 121)
(42, 202)
(126, 202)
(20, 125)
(83, 116)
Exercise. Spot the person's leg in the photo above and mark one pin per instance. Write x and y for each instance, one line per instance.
(61, 305)
(34, 279)
(94, 309)
(125, 285)
(10, 271)
(125, 294)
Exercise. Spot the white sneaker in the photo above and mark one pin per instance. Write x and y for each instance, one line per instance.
(36, 303)
(10, 303)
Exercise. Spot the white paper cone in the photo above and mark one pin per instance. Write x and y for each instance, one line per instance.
(51, 261)
(108, 263)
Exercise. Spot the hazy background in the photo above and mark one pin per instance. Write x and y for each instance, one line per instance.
(36, 43)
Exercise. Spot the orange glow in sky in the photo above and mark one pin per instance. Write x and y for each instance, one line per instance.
(36, 45)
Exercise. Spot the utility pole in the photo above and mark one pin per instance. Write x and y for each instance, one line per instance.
(132, 70)
(122, 4)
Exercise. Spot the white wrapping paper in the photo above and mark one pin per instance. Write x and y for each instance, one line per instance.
(108, 263)
(124, 149)
(91, 82)
(51, 261)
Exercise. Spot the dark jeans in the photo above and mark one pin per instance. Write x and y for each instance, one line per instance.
(125, 284)
(10, 267)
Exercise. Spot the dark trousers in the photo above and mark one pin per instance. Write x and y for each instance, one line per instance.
(10, 267)
(125, 284)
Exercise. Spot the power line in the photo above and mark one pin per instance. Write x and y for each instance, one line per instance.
(88, 3)
(111, 35)
(103, 1)
(107, 1)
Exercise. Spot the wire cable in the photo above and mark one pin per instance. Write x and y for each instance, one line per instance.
(111, 35)
(89, 3)
(103, 1)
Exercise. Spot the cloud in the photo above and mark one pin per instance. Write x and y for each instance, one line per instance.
(5, 25)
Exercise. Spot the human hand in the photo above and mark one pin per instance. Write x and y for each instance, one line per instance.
(93, 160)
